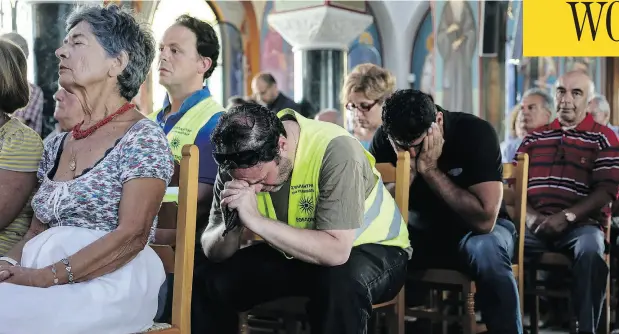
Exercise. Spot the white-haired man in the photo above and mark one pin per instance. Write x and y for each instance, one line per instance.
(573, 178)
(600, 110)
(535, 110)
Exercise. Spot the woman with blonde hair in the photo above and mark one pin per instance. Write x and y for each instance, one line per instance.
(21, 149)
(516, 132)
(85, 265)
(365, 90)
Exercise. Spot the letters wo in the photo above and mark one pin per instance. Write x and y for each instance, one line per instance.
(579, 24)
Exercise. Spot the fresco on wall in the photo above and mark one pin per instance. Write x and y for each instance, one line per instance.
(232, 59)
(422, 63)
(539, 72)
(457, 63)
(587, 64)
(543, 72)
(366, 48)
(276, 55)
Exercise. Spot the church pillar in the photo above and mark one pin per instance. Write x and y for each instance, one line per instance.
(320, 36)
(48, 31)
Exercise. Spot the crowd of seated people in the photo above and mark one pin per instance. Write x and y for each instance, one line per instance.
(80, 209)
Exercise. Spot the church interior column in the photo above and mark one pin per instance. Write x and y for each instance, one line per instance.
(320, 36)
(48, 33)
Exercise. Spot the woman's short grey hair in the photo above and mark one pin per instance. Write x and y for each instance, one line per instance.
(602, 103)
(546, 98)
(117, 30)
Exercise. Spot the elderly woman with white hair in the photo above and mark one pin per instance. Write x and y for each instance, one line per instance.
(85, 265)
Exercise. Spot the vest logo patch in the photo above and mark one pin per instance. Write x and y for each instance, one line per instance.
(175, 143)
(306, 205)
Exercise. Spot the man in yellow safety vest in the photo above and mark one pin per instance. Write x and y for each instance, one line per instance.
(188, 53)
(332, 231)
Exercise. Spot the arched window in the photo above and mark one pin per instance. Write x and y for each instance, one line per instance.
(166, 13)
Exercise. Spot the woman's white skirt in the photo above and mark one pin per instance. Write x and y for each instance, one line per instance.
(121, 302)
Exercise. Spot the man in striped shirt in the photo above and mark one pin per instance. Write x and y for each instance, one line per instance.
(573, 178)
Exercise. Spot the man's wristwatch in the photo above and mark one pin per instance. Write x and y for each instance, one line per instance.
(9, 260)
(569, 216)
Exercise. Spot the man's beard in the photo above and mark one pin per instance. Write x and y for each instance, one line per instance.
(285, 172)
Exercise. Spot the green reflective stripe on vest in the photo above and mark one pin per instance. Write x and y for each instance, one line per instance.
(171, 195)
(382, 222)
(186, 130)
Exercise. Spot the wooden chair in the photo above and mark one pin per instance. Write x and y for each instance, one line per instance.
(400, 175)
(451, 280)
(394, 309)
(560, 263)
(180, 260)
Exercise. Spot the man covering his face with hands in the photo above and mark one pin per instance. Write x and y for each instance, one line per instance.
(456, 219)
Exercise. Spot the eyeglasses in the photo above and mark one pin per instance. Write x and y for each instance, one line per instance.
(242, 159)
(408, 146)
(363, 107)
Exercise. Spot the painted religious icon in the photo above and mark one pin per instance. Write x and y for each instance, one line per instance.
(457, 44)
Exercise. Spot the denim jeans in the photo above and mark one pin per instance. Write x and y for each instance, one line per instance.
(585, 245)
(486, 258)
(340, 297)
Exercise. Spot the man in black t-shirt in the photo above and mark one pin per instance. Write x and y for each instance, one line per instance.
(456, 217)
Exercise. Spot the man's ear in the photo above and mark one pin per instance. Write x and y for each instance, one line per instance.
(283, 144)
(204, 64)
(439, 120)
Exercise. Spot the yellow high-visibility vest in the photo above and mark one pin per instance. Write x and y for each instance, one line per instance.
(185, 132)
(382, 222)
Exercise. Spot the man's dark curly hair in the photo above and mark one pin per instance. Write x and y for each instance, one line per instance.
(248, 127)
(407, 114)
(207, 43)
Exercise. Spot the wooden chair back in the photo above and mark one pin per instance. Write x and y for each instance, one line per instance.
(180, 260)
(400, 175)
(515, 199)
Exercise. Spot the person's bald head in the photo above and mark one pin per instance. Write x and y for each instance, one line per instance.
(329, 115)
(264, 87)
(574, 90)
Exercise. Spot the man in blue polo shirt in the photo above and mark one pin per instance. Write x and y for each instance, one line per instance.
(188, 53)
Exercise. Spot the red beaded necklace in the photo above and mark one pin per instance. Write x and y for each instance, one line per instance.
(78, 133)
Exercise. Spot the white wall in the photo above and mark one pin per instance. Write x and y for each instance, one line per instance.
(398, 22)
